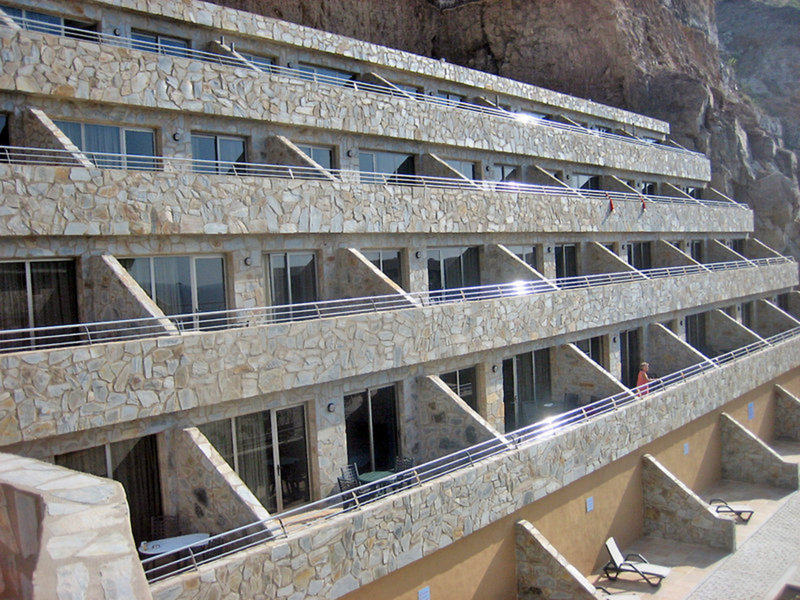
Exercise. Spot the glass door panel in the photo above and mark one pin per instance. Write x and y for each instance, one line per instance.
(134, 463)
(292, 456)
(384, 428)
(256, 465)
(357, 426)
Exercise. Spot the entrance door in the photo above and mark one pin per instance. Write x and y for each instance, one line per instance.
(526, 389)
(371, 425)
(629, 356)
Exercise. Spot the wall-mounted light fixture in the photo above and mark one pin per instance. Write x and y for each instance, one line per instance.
(350, 153)
(176, 136)
(680, 322)
(331, 407)
(494, 368)
(488, 168)
(248, 261)
(549, 249)
(418, 254)
(117, 31)
(614, 339)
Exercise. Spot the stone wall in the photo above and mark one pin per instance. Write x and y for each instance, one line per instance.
(665, 254)
(746, 458)
(542, 573)
(59, 391)
(445, 423)
(672, 511)
(577, 380)
(724, 333)
(787, 414)
(418, 521)
(667, 352)
(207, 494)
(771, 320)
(357, 276)
(112, 294)
(716, 251)
(596, 259)
(282, 151)
(111, 201)
(242, 93)
(65, 534)
(39, 131)
(499, 265)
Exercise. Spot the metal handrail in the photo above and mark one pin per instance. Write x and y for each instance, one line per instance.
(16, 340)
(136, 162)
(284, 524)
(305, 75)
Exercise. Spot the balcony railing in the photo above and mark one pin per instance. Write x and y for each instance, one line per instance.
(17, 340)
(300, 74)
(52, 157)
(316, 513)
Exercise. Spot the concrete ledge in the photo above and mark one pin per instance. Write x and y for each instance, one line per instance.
(787, 414)
(673, 511)
(542, 573)
(746, 458)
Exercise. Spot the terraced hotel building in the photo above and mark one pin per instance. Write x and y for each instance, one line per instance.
(238, 255)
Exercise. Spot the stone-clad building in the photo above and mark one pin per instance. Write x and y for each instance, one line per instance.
(238, 255)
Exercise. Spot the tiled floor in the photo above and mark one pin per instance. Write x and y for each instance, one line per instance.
(690, 563)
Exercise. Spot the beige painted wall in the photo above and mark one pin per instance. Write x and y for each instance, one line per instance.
(482, 565)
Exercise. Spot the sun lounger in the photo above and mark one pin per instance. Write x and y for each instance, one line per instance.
(617, 595)
(652, 574)
(742, 511)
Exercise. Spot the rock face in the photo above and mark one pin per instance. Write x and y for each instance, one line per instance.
(658, 57)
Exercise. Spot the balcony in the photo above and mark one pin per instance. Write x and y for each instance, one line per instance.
(298, 99)
(103, 201)
(481, 484)
(281, 348)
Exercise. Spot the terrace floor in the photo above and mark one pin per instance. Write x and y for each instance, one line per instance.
(767, 555)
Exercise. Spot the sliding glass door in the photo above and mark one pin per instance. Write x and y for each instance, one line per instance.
(371, 425)
(527, 396)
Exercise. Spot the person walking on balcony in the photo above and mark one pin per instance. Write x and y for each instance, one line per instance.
(643, 379)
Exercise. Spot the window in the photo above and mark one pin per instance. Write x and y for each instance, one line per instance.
(133, 463)
(648, 188)
(37, 293)
(269, 451)
(4, 136)
(412, 90)
(183, 285)
(371, 428)
(586, 182)
(530, 115)
(737, 245)
(696, 331)
(594, 348)
(448, 98)
(36, 21)
(566, 260)
(639, 255)
(463, 384)
(696, 250)
(630, 358)
(388, 262)
(451, 268)
(321, 155)
(156, 42)
(782, 302)
(465, 167)
(110, 146)
(292, 278)
(694, 192)
(322, 74)
(527, 396)
(526, 254)
(218, 154)
(506, 172)
(263, 63)
(747, 314)
(371, 163)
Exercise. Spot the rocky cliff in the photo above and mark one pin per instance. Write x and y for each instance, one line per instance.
(659, 57)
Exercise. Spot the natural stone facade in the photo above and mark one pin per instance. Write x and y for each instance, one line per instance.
(105, 382)
(66, 531)
(542, 573)
(673, 511)
(787, 414)
(747, 458)
(417, 521)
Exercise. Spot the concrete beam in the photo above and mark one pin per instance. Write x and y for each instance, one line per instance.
(673, 511)
(746, 458)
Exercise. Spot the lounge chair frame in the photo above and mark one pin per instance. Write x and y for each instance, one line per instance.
(642, 566)
(739, 510)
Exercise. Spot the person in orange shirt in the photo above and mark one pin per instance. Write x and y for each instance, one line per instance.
(643, 379)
